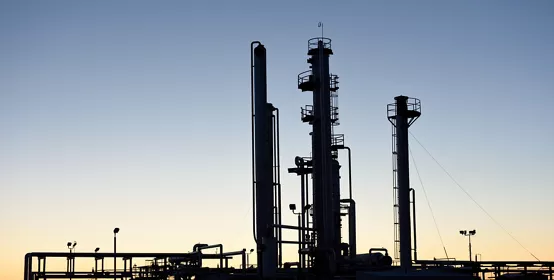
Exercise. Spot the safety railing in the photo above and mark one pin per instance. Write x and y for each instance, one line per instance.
(314, 43)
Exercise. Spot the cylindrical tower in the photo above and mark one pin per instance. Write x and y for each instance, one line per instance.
(318, 81)
(263, 166)
(402, 114)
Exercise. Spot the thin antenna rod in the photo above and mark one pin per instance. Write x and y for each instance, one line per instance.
(321, 25)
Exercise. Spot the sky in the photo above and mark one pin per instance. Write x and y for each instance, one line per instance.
(136, 114)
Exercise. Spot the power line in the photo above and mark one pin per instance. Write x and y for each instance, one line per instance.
(428, 202)
(470, 197)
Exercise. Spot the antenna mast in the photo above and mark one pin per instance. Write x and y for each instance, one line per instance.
(321, 25)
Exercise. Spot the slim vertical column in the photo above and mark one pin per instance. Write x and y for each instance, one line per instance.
(404, 114)
(321, 153)
(318, 81)
(263, 167)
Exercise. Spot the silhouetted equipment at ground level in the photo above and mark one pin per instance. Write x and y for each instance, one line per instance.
(323, 251)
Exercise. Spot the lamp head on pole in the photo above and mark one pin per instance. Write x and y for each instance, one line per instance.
(115, 230)
(463, 232)
(97, 249)
(472, 232)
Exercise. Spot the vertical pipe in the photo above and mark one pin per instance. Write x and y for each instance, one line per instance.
(25, 267)
(335, 192)
(403, 182)
(221, 256)
(299, 241)
(278, 177)
(349, 172)
(414, 223)
(302, 223)
(307, 216)
(44, 267)
(351, 226)
(244, 261)
(28, 269)
(352, 209)
(253, 140)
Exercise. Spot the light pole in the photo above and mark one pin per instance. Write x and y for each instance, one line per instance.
(115, 231)
(71, 259)
(468, 234)
(248, 258)
(96, 260)
(292, 207)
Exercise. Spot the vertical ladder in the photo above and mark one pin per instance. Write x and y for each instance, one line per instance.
(395, 197)
(277, 185)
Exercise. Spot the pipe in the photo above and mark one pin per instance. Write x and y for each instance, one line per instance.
(349, 172)
(351, 226)
(414, 223)
(295, 242)
(198, 245)
(253, 140)
(278, 161)
(234, 253)
(27, 265)
(293, 227)
(220, 246)
(300, 244)
(244, 260)
(343, 147)
(302, 217)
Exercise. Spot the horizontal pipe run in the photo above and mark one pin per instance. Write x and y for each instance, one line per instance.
(234, 253)
(294, 242)
(294, 227)
(111, 255)
(84, 275)
(220, 246)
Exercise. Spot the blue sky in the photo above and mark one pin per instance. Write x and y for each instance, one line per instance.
(136, 114)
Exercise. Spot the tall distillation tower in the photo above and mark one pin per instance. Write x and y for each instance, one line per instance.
(402, 114)
(265, 168)
(323, 116)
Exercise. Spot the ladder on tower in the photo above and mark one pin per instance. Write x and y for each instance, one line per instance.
(395, 196)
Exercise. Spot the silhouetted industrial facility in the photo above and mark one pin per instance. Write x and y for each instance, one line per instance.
(322, 253)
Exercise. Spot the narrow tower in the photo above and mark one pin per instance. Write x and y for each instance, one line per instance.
(322, 116)
(402, 114)
(262, 165)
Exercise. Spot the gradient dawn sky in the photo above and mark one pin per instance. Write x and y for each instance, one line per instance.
(136, 114)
